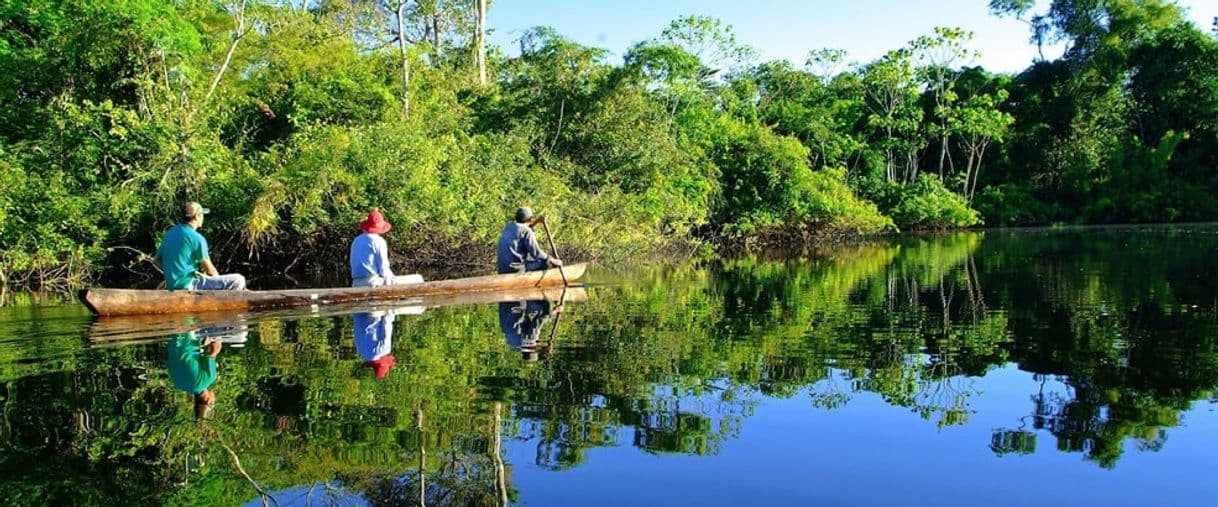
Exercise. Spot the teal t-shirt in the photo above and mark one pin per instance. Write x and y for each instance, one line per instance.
(182, 249)
(189, 368)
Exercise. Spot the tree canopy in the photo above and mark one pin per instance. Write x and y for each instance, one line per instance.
(291, 120)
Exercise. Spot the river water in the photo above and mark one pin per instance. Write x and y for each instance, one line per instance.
(1068, 366)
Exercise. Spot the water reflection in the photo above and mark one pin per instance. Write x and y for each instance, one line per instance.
(1058, 344)
(191, 361)
(374, 340)
(522, 323)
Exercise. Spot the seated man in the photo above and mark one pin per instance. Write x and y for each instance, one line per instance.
(370, 256)
(518, 250)
(183, 250)
(522, 323)
(374, 337)
(192, 368)
(374, 340)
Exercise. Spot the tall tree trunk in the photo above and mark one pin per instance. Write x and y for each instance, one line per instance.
(976, 149)
(889, 157)
(435, 34)
(977, 171)
(943, 140)
(401, 13)
(480, 46)
(238, 12)
(496, 444)
(418, 419)
(968, 170)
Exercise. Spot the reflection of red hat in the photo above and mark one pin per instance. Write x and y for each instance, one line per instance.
(381, 365)
(375, 224)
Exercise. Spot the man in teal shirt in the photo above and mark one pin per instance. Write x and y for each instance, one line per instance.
(192, 368)
(183, 251)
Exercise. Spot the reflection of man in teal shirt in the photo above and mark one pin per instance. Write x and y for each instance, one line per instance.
(192, 368)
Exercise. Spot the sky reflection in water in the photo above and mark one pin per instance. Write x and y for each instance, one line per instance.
(1074, 366)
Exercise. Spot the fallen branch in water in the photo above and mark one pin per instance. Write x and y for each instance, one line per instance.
(237, 461)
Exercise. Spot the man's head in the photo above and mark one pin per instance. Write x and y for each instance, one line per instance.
(192, 213)
(375, 223)
(523, 214)
(381, 365)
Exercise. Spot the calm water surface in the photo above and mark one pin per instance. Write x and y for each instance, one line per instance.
(999, 368)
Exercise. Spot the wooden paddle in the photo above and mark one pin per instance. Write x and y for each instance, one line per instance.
(554, 330)
(546, 227)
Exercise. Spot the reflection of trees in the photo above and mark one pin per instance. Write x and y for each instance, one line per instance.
(1115, 325)
(683, 369)
(472, 472)
(917, 336)
(1140, 372)
(670, 363)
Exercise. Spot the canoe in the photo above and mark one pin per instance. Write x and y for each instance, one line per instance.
(110, 302)
(132, 329)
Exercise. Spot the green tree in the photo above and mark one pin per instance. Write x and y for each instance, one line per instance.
(938, 56)
(894, 119)
(979, 122)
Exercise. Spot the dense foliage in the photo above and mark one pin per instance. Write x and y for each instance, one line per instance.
(291, 122)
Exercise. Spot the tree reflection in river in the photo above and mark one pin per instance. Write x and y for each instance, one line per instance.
(1119, 338)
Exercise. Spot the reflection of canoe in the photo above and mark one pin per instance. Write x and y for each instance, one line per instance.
(136, 328)
(142, 302)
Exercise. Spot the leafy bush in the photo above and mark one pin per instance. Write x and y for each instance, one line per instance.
(1011, 204)
(765, 184)
(923, 204)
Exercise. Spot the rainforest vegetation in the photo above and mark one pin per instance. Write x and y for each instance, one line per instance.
(291, 119)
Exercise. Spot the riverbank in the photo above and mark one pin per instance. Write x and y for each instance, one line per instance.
(292, 132)
(465, 256)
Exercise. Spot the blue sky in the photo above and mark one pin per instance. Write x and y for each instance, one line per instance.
(787, 29)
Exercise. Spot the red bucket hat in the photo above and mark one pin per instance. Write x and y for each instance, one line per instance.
(381, 365)
(375, 224)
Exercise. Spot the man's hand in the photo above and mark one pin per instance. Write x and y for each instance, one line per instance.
(212, 347)
(207, 397)
(537, 220)
(555, 261)
(209, 268)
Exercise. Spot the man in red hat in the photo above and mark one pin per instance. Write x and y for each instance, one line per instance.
(374, 340)
(374, 337)
(370, 256)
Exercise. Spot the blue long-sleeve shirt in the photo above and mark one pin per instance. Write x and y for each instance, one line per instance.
(517, 245)
(521, 326)
(373, 335)
(370, 257)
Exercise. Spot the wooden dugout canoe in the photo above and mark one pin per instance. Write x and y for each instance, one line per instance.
(110, 302)
(131, 329)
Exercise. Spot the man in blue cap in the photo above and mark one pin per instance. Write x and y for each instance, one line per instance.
(183, 251)
(518, 249)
